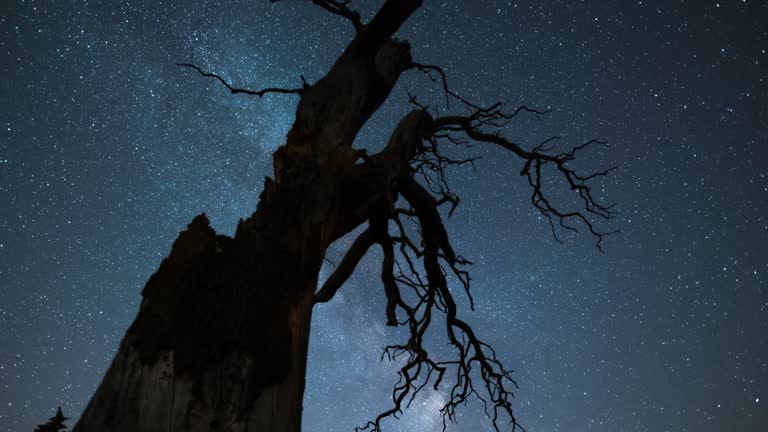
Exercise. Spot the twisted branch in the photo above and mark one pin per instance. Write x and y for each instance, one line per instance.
(429, 294)
(259, 93)
(419, 292)
(534, 161)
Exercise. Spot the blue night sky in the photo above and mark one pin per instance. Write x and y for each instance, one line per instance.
(108, 150)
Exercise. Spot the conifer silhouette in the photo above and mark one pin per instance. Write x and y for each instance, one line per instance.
(55, 423)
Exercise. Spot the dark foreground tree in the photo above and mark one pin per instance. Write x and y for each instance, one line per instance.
(220, 341)
(54, 424)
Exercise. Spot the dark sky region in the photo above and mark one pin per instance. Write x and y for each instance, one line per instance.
(107, 151)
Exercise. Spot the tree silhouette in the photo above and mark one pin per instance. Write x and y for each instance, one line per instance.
(220, 341)
(54, 424)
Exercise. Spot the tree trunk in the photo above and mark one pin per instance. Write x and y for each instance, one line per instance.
(221, 339)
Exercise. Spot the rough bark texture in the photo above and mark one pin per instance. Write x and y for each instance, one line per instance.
(220, 342)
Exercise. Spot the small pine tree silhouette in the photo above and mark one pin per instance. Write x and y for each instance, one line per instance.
(55, 423)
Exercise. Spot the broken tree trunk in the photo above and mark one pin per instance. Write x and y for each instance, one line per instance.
(220, 341)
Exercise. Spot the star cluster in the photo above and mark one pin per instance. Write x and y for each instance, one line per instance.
(107, 151)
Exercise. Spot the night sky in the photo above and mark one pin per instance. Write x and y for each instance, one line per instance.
(108, 150)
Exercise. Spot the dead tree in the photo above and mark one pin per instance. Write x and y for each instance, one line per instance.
(220, 341)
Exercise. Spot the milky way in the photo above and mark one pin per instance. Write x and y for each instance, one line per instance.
(108, 150)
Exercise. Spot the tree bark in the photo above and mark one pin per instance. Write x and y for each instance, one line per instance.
(221, 339)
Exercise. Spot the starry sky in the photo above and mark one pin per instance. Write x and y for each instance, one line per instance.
(107, 151)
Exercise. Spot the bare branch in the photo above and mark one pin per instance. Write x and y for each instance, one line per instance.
(534, 161)
(432, 294)
(422, 293)
(339, 8)
(425, 206)
(429, 70)
(387, 21)
(345, 268)
(233, 90)
(434, 72)
(388, 279)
